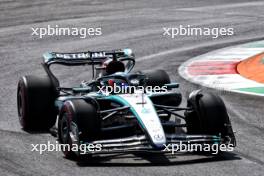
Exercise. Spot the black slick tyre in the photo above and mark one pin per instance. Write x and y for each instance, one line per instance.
(78, 123)
(35, 103)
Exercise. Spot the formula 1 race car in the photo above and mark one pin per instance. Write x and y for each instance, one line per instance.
(144, 116)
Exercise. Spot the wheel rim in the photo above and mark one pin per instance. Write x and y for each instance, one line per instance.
(20, 105)
(64, 129)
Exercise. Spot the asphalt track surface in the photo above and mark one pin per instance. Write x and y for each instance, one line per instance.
(137, 25)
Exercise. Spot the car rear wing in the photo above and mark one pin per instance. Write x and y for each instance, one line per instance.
(85, 58)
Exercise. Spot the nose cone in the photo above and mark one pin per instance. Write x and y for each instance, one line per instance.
(159, 140)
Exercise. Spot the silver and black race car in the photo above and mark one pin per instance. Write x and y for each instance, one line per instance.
(137, 118)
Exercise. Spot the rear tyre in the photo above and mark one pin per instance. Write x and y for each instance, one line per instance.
(160, 78)
(78, 123)
(173, 99)
(157, 78)
(35, 103)
(167, 100)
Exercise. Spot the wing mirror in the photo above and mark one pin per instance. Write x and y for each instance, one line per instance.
(172, 85)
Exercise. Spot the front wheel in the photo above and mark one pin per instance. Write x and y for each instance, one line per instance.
(78, 124)
(208, 115)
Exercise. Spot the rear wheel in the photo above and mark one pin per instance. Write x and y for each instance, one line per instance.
(167, 100)
(157, 77)
(78, 123)
(173, 99)
(160, 78)
(35, 103)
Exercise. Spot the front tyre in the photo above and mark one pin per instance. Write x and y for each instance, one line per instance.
(78, 123)
(208, 115)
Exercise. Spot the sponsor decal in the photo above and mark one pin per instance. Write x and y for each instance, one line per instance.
(73, 55)
(83, 55)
